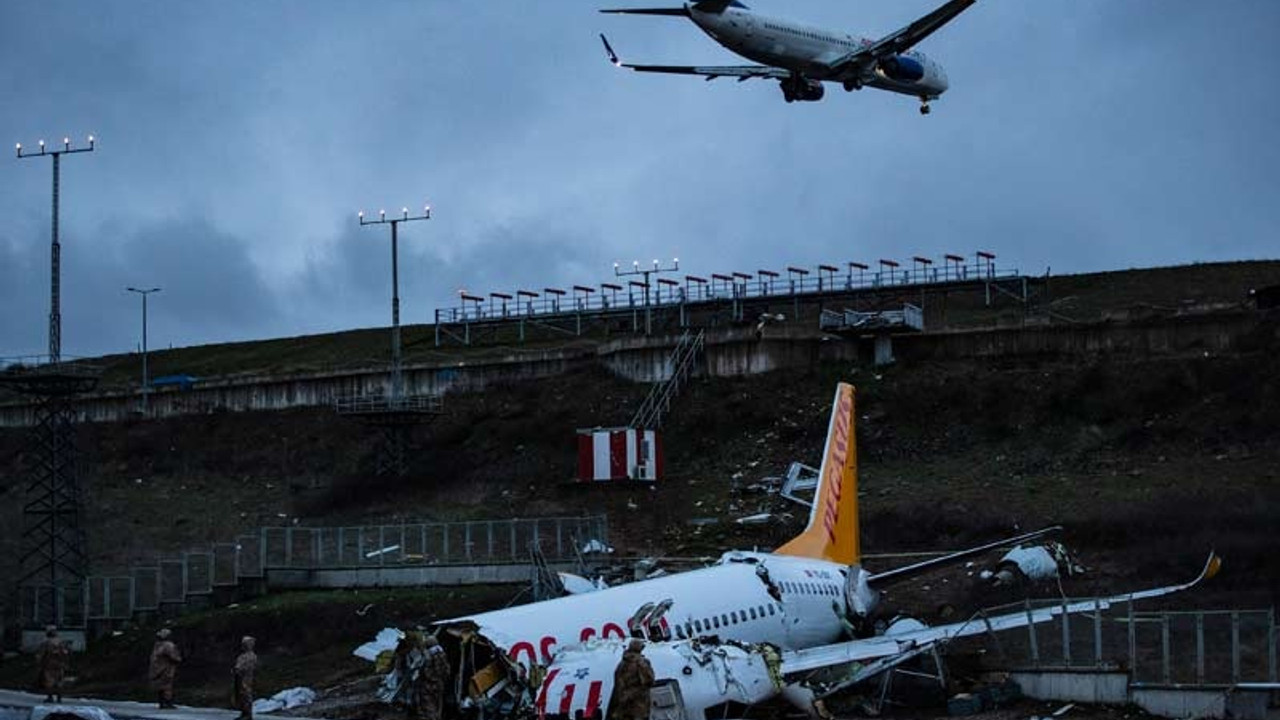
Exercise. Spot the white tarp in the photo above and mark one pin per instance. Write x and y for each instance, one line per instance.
(85, 712)
(284, 700)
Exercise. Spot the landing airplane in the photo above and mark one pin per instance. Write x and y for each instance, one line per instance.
(804, 594)
(801, 57)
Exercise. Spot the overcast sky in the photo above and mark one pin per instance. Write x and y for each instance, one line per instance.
(237, 140)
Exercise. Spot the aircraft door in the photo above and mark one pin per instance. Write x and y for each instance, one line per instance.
(666, 702)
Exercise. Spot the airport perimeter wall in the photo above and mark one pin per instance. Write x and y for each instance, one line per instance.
(728, 352)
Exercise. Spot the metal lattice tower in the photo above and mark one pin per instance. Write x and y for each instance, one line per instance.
(53, 563)
(51, 586)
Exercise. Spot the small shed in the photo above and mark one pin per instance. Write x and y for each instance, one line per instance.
(619, 454)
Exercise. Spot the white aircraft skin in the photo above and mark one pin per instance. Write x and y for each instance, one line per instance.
(728, 599)
(801, 56)
(808, 49)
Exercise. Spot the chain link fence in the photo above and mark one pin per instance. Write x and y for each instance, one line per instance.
(172, 581)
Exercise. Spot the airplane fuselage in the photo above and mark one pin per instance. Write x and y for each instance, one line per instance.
(809, 51)
(790, 602)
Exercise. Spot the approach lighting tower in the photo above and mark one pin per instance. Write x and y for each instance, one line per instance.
(55, 300)
(397, 379)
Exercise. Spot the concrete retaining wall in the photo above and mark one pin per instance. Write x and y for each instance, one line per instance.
(1111, 688)
(1181, 702)
(422, 576)
(729, 352)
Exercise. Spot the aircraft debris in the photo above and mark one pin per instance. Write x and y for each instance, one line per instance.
(381, 551)
(757, 519)
(386, 641)
(576, 584)
(595, 546)
(1034, 563)
(1063, 710)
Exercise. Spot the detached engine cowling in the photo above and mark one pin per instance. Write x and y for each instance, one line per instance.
(902, 68)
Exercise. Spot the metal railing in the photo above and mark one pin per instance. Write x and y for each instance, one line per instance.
(387, 404)
(739, 286)
(199, 574)
(658, 402)
(1202, 647)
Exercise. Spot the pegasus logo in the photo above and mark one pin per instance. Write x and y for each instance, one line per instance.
(836, 463)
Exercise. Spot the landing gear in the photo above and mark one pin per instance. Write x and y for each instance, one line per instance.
(851, 85)
(924, 108)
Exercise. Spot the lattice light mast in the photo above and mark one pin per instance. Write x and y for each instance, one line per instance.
(55, 302)
(397, 378)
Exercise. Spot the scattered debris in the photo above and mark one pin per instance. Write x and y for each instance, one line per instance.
(381, 551)
(595, 546)
(1035, 563)
(1063, 710)
(577, 585)
(364, 610)
(757, 519)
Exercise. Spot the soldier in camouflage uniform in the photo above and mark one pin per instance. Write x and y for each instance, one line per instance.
(631, 684)
(52, 657)
(433, 676)
(242, 679)
(164, 666)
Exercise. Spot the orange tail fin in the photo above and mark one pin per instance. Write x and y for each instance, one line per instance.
(832, 533)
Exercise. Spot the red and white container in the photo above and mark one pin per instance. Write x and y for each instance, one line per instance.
(619, 454)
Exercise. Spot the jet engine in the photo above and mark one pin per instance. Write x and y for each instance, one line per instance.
(859, 597)
(802, 89)
(902, 68)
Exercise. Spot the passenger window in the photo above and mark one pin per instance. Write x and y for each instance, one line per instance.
(752, 611)
(770, 609)
(734, 617)
(726, 620)
(715, 621)
(688, 629)
(697, 625)
(680, 631)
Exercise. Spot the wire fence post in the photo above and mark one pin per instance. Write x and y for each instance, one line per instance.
(1271, 645)
(1200, 648)
(1066, 635)
(1031, 633)
(1166, 670)
(1235, 647)
(1097, 633)
(1133, 642)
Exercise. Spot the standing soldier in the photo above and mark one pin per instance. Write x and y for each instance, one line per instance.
(52, 657)
(164, 665)
(435, 675)
(631, 684)
(242, 677)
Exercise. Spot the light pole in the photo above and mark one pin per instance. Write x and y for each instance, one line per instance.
(146, 389)
(55, 300)
(397, 381)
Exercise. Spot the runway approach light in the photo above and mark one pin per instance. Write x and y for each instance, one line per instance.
(66, 143)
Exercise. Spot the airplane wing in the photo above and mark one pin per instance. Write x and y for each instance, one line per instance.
(710, 72)
(885, 646)
(899, 573)
(856, 62)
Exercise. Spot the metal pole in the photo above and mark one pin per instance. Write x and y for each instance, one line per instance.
(397, 379)
(1235, 647)
(397, 389)
(1200, 648)
(146, 387)
(1166, 660)
(55, 271)
(1271, 645)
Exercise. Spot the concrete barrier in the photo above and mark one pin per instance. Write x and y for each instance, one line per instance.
(1086, 686)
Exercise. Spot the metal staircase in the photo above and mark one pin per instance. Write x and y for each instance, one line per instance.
(658, 403)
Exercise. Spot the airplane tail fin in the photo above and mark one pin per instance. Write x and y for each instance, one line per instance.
(832, 533)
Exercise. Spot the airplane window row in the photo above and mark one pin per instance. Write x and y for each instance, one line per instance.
(705, 625)
(813, 35)
(808, 588)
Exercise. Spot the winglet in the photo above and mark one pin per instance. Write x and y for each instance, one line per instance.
(613, 56)
(1212, 567)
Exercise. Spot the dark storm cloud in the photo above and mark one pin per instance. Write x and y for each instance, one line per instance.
(1081, 134)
